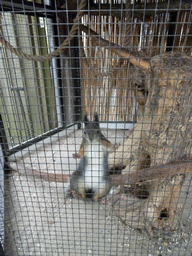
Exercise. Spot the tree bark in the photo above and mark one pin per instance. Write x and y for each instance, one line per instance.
(162, 135)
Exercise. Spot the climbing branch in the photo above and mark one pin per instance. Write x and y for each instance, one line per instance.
(153, 173)
(98, 41)
(148, 174)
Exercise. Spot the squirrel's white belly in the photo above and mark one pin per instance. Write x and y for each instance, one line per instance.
(94, 171)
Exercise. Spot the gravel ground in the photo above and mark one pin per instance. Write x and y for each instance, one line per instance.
(39, 220)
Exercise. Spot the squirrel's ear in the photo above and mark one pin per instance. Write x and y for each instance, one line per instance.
(96, 117)
(85, 118)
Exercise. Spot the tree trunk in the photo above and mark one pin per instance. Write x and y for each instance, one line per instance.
(162, 134)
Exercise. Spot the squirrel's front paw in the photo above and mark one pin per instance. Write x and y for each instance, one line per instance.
(77, 155)
(116, 145)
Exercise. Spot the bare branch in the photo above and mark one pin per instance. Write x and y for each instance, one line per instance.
(98, 41)
(155, 172)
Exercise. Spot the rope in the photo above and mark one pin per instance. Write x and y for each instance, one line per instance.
(55, 53)
(128, 37)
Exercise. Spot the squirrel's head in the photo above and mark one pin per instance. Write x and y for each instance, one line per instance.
(92, 130)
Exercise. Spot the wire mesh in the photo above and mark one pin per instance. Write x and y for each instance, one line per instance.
(60, 64)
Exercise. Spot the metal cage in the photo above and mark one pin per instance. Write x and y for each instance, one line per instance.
(64, 65)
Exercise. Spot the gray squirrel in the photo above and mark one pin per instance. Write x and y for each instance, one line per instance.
(91, 179)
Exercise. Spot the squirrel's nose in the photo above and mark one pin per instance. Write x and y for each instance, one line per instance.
(91, 137)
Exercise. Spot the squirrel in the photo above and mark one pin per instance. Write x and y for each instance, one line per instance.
(91, 179)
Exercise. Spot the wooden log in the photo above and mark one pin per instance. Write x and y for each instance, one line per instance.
(162, 135)
(164, 127)
(156, 214)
